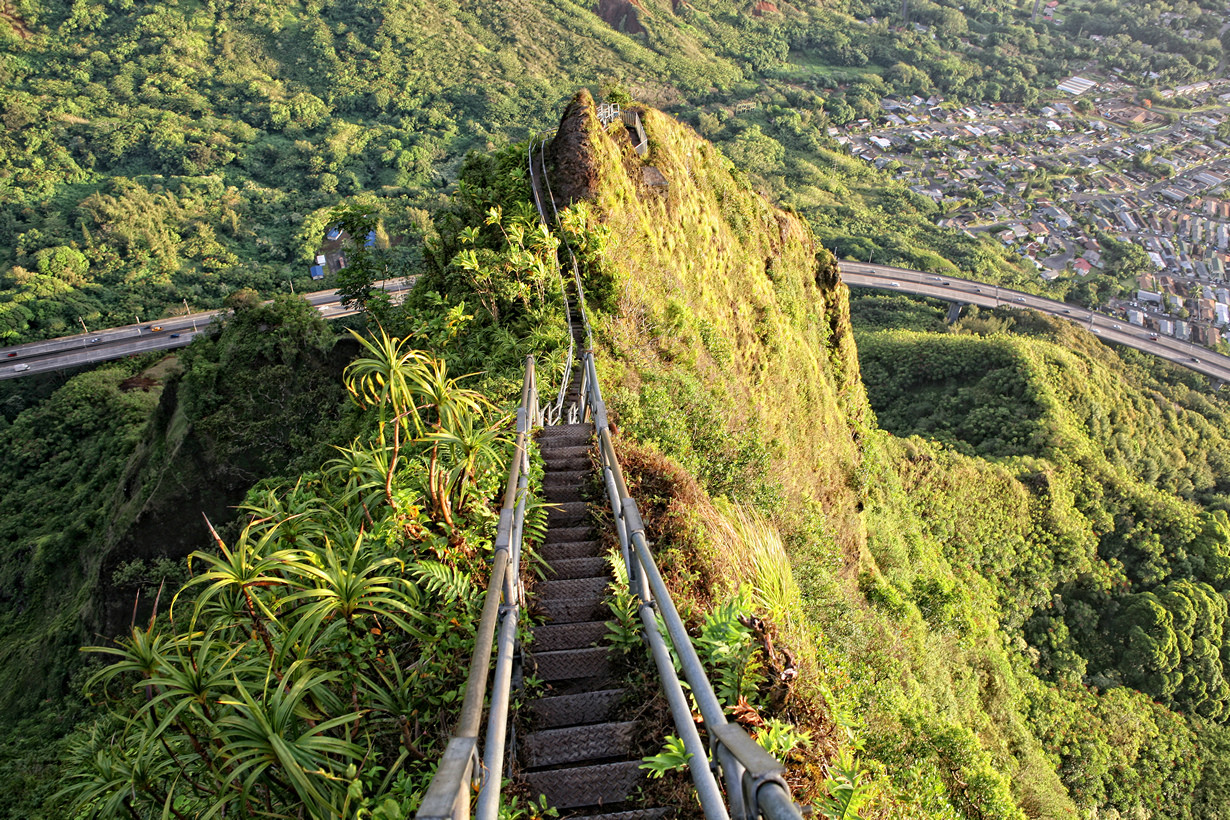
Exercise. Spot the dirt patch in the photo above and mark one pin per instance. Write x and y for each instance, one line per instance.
(141, 382)
(8, 13)
(623, 15)
(575, 167)
(763, 7)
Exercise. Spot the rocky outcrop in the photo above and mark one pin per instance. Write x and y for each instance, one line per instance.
(574, 174)
(623, 15)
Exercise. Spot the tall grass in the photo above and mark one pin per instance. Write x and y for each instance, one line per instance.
(749, 551)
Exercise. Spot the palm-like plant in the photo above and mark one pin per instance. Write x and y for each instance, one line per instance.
(343, 588)
(272, 745)
(250, 566)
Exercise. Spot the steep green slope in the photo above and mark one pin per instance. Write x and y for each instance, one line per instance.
(1109, 567)
(104, 485)
(923, 573)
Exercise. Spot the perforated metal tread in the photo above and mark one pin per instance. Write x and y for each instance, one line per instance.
(558, 637)
(569, 664)
(566, 434)
(559, 495)
(599, 785)
(567, 550)
(575, 744)
(594, 587)
(573, 610)
(576, 710)
(589, 567)
(567, 513)
(560, 452)
(561, 535)
(565, 478)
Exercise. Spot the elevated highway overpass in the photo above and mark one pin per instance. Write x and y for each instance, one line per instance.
(130, 340)
(1108, 328)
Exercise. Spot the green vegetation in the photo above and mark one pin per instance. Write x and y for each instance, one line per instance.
(392, 488)
(1021, 619)
(309, 663)
(154, 154)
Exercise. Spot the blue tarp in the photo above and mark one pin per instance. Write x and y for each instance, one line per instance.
(371, 240)
(333, 233)
(317, 272)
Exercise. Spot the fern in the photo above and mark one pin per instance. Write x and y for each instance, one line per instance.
(673, 757)
(448, 582)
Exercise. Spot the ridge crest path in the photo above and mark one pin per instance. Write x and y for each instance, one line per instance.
(580, 752)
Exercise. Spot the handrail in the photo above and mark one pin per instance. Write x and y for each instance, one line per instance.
(754, 782)
(554, 411)
(448, 795)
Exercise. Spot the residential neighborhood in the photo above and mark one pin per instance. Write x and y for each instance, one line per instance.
(1048, 180)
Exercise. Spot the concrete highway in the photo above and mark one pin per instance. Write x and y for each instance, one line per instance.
(130, 340)
(1108, 328)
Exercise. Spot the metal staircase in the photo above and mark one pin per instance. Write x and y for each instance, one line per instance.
(579, 752)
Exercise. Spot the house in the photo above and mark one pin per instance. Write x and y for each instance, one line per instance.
(317, 272)
(1082, 266)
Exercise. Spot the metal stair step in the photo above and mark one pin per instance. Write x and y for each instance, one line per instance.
(565, 478)
(581, 588)
(561, 535)
(565, 434)
(590, 567)
(567, 513)
(556, 637)
(559, 452)
(576, 744)
(569, 664)
(561, 494)
(635, 814)
(573, 610)
(575, 710)
(568, 464)
(562, 551)
(587, 785)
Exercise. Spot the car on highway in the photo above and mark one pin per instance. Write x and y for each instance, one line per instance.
(1196, 359)
(156, 328)
(1020, 298)
(10, 355)
(20, 367)
(894, 284)
(1095, 330)
(1116, 327)
(1065, 310)
(95, 340)
(1153, 337)
(174, 335)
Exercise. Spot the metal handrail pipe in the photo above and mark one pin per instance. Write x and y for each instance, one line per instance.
(693, 670)
(707, 789)
(488, 806)
(442, 794)
(450, 785)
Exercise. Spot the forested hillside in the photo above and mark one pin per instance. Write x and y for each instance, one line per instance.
(996, 555)
(1021, 619)
(1100, 523)
(156, 153)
